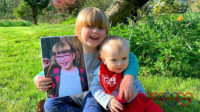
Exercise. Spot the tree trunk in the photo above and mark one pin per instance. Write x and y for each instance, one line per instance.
(35, 14)
(121, 9)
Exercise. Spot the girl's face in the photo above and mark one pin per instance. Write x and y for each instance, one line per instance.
(65, 60)
(91, 36)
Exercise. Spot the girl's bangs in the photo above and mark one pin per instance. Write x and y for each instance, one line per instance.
(61, 49)
(96, 20)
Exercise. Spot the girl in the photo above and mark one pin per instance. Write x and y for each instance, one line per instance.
(64, 71)
(91, 28)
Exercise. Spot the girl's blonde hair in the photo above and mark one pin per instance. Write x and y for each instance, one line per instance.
(91, 16)
(62, 47)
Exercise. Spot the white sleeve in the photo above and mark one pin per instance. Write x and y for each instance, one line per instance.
(98, 92)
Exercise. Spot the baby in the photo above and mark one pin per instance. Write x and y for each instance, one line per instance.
(114, 53)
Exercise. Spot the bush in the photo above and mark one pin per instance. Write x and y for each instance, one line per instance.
(168, 6)
(102, 4)
(165, 46)
(23, 11)
(14, 22)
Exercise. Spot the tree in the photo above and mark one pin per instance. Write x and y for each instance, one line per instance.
(37, 5)
(121, 9)
(23, 11)
(6, 8)
(65, 6)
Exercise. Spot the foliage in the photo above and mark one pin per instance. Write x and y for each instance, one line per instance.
(165, 45)
(194, 5)
(65, 6)
(102, 4)
(168, 6)
(6, 8)
(41, 4)
(37, 5)
(23, 11)
(14, 22)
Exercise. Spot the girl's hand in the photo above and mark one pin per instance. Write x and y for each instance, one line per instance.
(126, 90)
(42, 83)
(46, 62)
(115, 106)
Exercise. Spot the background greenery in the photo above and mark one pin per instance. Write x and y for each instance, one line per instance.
(167, 63)
(167, 48)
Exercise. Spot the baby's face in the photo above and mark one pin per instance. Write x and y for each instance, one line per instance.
(115, 60)
(65, 60)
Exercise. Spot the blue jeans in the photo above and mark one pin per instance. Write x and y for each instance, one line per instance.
(73, 103)
(61, 104)
(91, 105)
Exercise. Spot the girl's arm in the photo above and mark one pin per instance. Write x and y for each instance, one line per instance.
(41, 82)
(133, 66)
(40, 74)
(126, 90)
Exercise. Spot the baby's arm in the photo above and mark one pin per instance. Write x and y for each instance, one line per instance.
(126, 90)
(41, 82)
(114, 105)
(105, 100)
(99, 94)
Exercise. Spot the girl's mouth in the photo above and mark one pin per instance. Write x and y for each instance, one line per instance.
(64, 63)
(94, 38)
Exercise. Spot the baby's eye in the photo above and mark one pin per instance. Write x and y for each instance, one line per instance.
(124, 58)
(113, 60)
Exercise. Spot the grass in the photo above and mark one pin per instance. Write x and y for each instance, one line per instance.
(160, 84)
(21, 60)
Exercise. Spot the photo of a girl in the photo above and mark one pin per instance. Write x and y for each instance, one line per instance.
(65, 66)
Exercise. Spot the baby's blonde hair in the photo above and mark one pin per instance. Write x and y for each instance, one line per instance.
(91, 16)
(114, 42)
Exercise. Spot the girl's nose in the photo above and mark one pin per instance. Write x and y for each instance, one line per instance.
(95, 29)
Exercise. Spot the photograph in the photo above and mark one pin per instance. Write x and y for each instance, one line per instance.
(63, 61)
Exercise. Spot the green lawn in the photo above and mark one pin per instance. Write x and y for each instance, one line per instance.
(21, 60)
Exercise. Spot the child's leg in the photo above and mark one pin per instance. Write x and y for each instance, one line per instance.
(153, 107)
(61, 104)
(135, 105)
(143, 104)
(91, 105)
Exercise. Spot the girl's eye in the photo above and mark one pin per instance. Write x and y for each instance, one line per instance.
(100, 27)
(89, 26)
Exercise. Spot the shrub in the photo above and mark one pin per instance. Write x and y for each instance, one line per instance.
(102, 4)
(165, 46)
(23, 11)
(168, 6)
(14, 22)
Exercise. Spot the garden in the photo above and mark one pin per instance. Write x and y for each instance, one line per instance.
(165, 38)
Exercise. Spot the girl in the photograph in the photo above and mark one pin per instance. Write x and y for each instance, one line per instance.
(64, 71)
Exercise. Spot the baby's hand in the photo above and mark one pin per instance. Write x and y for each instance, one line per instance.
(115, 106)
(126, 90)
(46, 62)
(42, 83)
